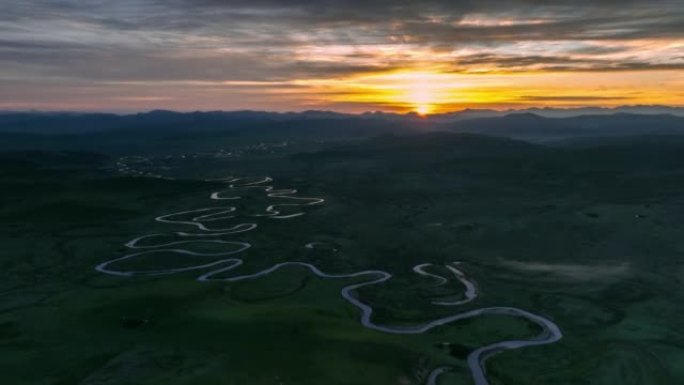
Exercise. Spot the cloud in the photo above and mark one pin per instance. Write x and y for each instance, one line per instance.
(99, 41)
(571, 98)
(268, 30)
(523, 63)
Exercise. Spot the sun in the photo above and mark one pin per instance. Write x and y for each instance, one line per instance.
(423, 109)
(423, 91)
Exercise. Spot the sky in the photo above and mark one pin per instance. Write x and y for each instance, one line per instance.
(344, 55)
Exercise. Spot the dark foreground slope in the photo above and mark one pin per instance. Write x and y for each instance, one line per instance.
(588, 236)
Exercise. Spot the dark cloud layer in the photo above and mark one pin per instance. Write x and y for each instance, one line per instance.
(269, 40)
(265, 28)
(559, 63)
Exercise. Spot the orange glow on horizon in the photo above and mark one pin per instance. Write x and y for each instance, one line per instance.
(431, 91)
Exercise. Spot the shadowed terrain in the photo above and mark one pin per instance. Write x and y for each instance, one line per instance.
(584, 231)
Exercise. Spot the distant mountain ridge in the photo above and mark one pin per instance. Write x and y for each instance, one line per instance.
(247, 126)
(532, 127)
(550, 112)
(469, 113)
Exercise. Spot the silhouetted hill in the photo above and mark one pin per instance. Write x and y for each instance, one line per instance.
(70, 123)
(173, 131)
(528, 126)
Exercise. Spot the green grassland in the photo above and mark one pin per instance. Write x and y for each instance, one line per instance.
(589, 237)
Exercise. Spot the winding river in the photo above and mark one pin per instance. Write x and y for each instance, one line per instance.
(202, 219)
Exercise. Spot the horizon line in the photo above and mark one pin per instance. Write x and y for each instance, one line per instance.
(330, 111)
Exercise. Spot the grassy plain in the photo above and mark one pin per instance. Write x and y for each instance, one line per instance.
(587, 236)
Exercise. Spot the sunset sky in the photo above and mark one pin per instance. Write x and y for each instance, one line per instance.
(352, 56)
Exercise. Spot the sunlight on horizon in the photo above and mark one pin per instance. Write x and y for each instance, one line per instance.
(434, 90)
(422, 91)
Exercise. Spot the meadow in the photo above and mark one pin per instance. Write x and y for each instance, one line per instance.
(588, 236)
